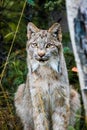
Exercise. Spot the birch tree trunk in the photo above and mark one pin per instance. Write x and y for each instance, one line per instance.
(77, 21)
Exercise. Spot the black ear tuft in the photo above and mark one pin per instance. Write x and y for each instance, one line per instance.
(59, 20)
(55, 29)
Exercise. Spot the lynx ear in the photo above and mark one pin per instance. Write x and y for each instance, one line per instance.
(55, 29)
(31, 28)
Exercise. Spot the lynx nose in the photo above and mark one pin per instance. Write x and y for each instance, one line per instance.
(41, 53)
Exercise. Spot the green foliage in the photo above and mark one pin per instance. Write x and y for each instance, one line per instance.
(39, 11)
(50, 5)
(70, 62)
(16, 71)
(31, 2)
(70, 128)
(15, 75)
(9, 17)
(66, 39)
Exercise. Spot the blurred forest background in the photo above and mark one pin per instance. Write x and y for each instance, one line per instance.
(14, 16)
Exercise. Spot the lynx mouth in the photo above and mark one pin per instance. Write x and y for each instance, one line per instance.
(42, 59)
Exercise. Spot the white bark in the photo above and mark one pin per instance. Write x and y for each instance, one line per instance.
(72, 11)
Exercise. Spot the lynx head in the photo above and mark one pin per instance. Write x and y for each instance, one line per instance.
(44, 46)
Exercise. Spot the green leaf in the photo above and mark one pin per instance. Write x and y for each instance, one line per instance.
(66, 49)
(18, 81)
(70, 128)
(9, 34)
(31, 2)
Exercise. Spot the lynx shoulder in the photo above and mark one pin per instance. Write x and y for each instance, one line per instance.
(44, 102)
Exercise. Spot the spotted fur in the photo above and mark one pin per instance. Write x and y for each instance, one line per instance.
(44, 101)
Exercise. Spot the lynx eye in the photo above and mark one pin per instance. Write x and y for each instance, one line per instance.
(49, 45)
(34, 45)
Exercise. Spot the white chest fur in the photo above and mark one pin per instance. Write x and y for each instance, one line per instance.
(46, 86)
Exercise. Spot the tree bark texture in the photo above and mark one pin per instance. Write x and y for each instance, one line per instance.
(77, 21)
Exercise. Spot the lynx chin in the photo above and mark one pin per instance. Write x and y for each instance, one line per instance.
(46, 101)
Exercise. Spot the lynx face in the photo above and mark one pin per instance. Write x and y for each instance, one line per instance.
(43, 47)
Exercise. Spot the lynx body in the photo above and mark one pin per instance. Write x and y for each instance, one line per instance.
(44, 101)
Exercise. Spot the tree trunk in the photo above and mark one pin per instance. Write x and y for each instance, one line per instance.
(77, 20)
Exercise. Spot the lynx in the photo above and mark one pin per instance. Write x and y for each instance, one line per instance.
(46, 101)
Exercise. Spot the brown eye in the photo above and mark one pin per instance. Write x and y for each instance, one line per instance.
(34, 44)
(49, 45)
